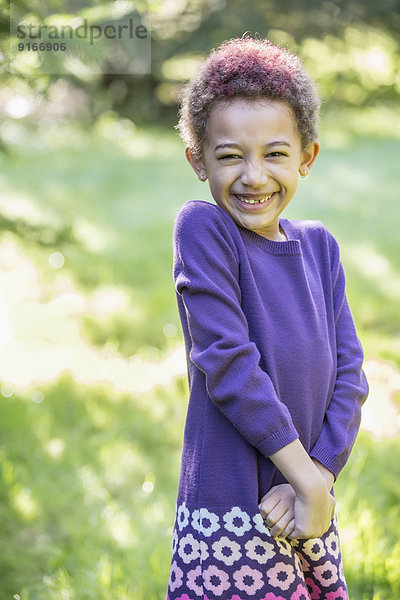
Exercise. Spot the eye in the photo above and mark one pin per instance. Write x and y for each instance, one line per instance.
(228, 157)
(274, 154)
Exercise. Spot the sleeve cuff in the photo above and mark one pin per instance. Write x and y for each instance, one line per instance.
(277, 440)
(334, 464)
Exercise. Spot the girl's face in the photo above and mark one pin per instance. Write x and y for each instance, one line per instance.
(252, 159)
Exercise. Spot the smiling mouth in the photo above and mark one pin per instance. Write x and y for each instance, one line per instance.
(254, 199)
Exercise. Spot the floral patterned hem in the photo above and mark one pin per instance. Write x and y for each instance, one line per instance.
(231, 555)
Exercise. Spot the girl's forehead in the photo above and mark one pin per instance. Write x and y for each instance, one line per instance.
(251, 108)
(242, 117)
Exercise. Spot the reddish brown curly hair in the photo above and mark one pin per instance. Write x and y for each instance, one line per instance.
(249, 68)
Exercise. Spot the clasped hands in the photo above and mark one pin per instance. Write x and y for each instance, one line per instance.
(297, 516)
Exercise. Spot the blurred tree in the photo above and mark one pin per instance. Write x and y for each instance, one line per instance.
(351, 46)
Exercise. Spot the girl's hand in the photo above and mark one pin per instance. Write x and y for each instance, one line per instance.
(327, 475)
(313, 514)
(313, 506)
(277, 509)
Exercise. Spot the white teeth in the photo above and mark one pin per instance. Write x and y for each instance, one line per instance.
(248, 201)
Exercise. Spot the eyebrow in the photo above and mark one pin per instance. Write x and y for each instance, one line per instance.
(268, 145)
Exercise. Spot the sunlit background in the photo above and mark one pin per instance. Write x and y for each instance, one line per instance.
(92, 365)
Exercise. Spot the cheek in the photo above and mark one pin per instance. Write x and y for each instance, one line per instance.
(220, 181)
(289, 175)
(216, 189)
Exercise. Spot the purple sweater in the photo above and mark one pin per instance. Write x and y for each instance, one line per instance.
(272, 354)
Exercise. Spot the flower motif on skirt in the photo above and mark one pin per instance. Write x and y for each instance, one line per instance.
(297, 563)
(189, 548)
(237, 521)
(182, 516)
(281, 575)
(195, 580)
(301, 593)
(314, 548)
(285, 546)
(305, 565)
(175, 577)
(175, 540)
(230, 555)
(205, 522)
(248, 580)
(332, 543)
(340, 594)
(260, 525)
(227, 550)
(259, 550)
(216, 580)
(203, 551)
(326, 573)
(313, 589)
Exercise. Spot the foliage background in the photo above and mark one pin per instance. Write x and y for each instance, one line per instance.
(92, 369)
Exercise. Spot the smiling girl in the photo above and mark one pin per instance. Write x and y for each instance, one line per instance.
(274, 362)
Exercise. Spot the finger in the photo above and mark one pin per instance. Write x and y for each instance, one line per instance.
(275, 515)
(299, 534)
(296, 535)
(280, 526)
(289, 529)
(271, 497)
(267, 506)
(276, 503)
(273, 491)
(302, 535)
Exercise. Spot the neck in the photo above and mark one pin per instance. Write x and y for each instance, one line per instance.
(278, 236)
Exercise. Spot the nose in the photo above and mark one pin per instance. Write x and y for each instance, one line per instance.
(254, 174)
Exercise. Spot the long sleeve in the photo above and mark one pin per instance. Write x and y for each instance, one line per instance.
(343, 415)
(206, 275)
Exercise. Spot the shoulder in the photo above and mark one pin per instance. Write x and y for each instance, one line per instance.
(201, 221)
(309, 228)
(319, 242)
(202, 213)
(315, 233)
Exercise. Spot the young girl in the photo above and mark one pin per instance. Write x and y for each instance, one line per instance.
(274, 362)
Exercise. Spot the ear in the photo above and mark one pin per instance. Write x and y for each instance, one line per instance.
(309, 154)
(197, 165)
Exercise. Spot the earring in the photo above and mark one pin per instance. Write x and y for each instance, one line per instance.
(302, 173)
(202, 177)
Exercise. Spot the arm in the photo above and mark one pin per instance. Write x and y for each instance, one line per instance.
(279, 504)
(206, 274)
(327, 476)
(342, 418)
(312, 508)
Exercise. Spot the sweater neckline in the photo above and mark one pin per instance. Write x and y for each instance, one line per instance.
(289, 246)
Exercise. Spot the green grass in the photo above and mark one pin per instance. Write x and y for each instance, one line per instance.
(76, 523)
(368, 493)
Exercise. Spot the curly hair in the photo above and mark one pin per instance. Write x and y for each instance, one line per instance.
(249, 68)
